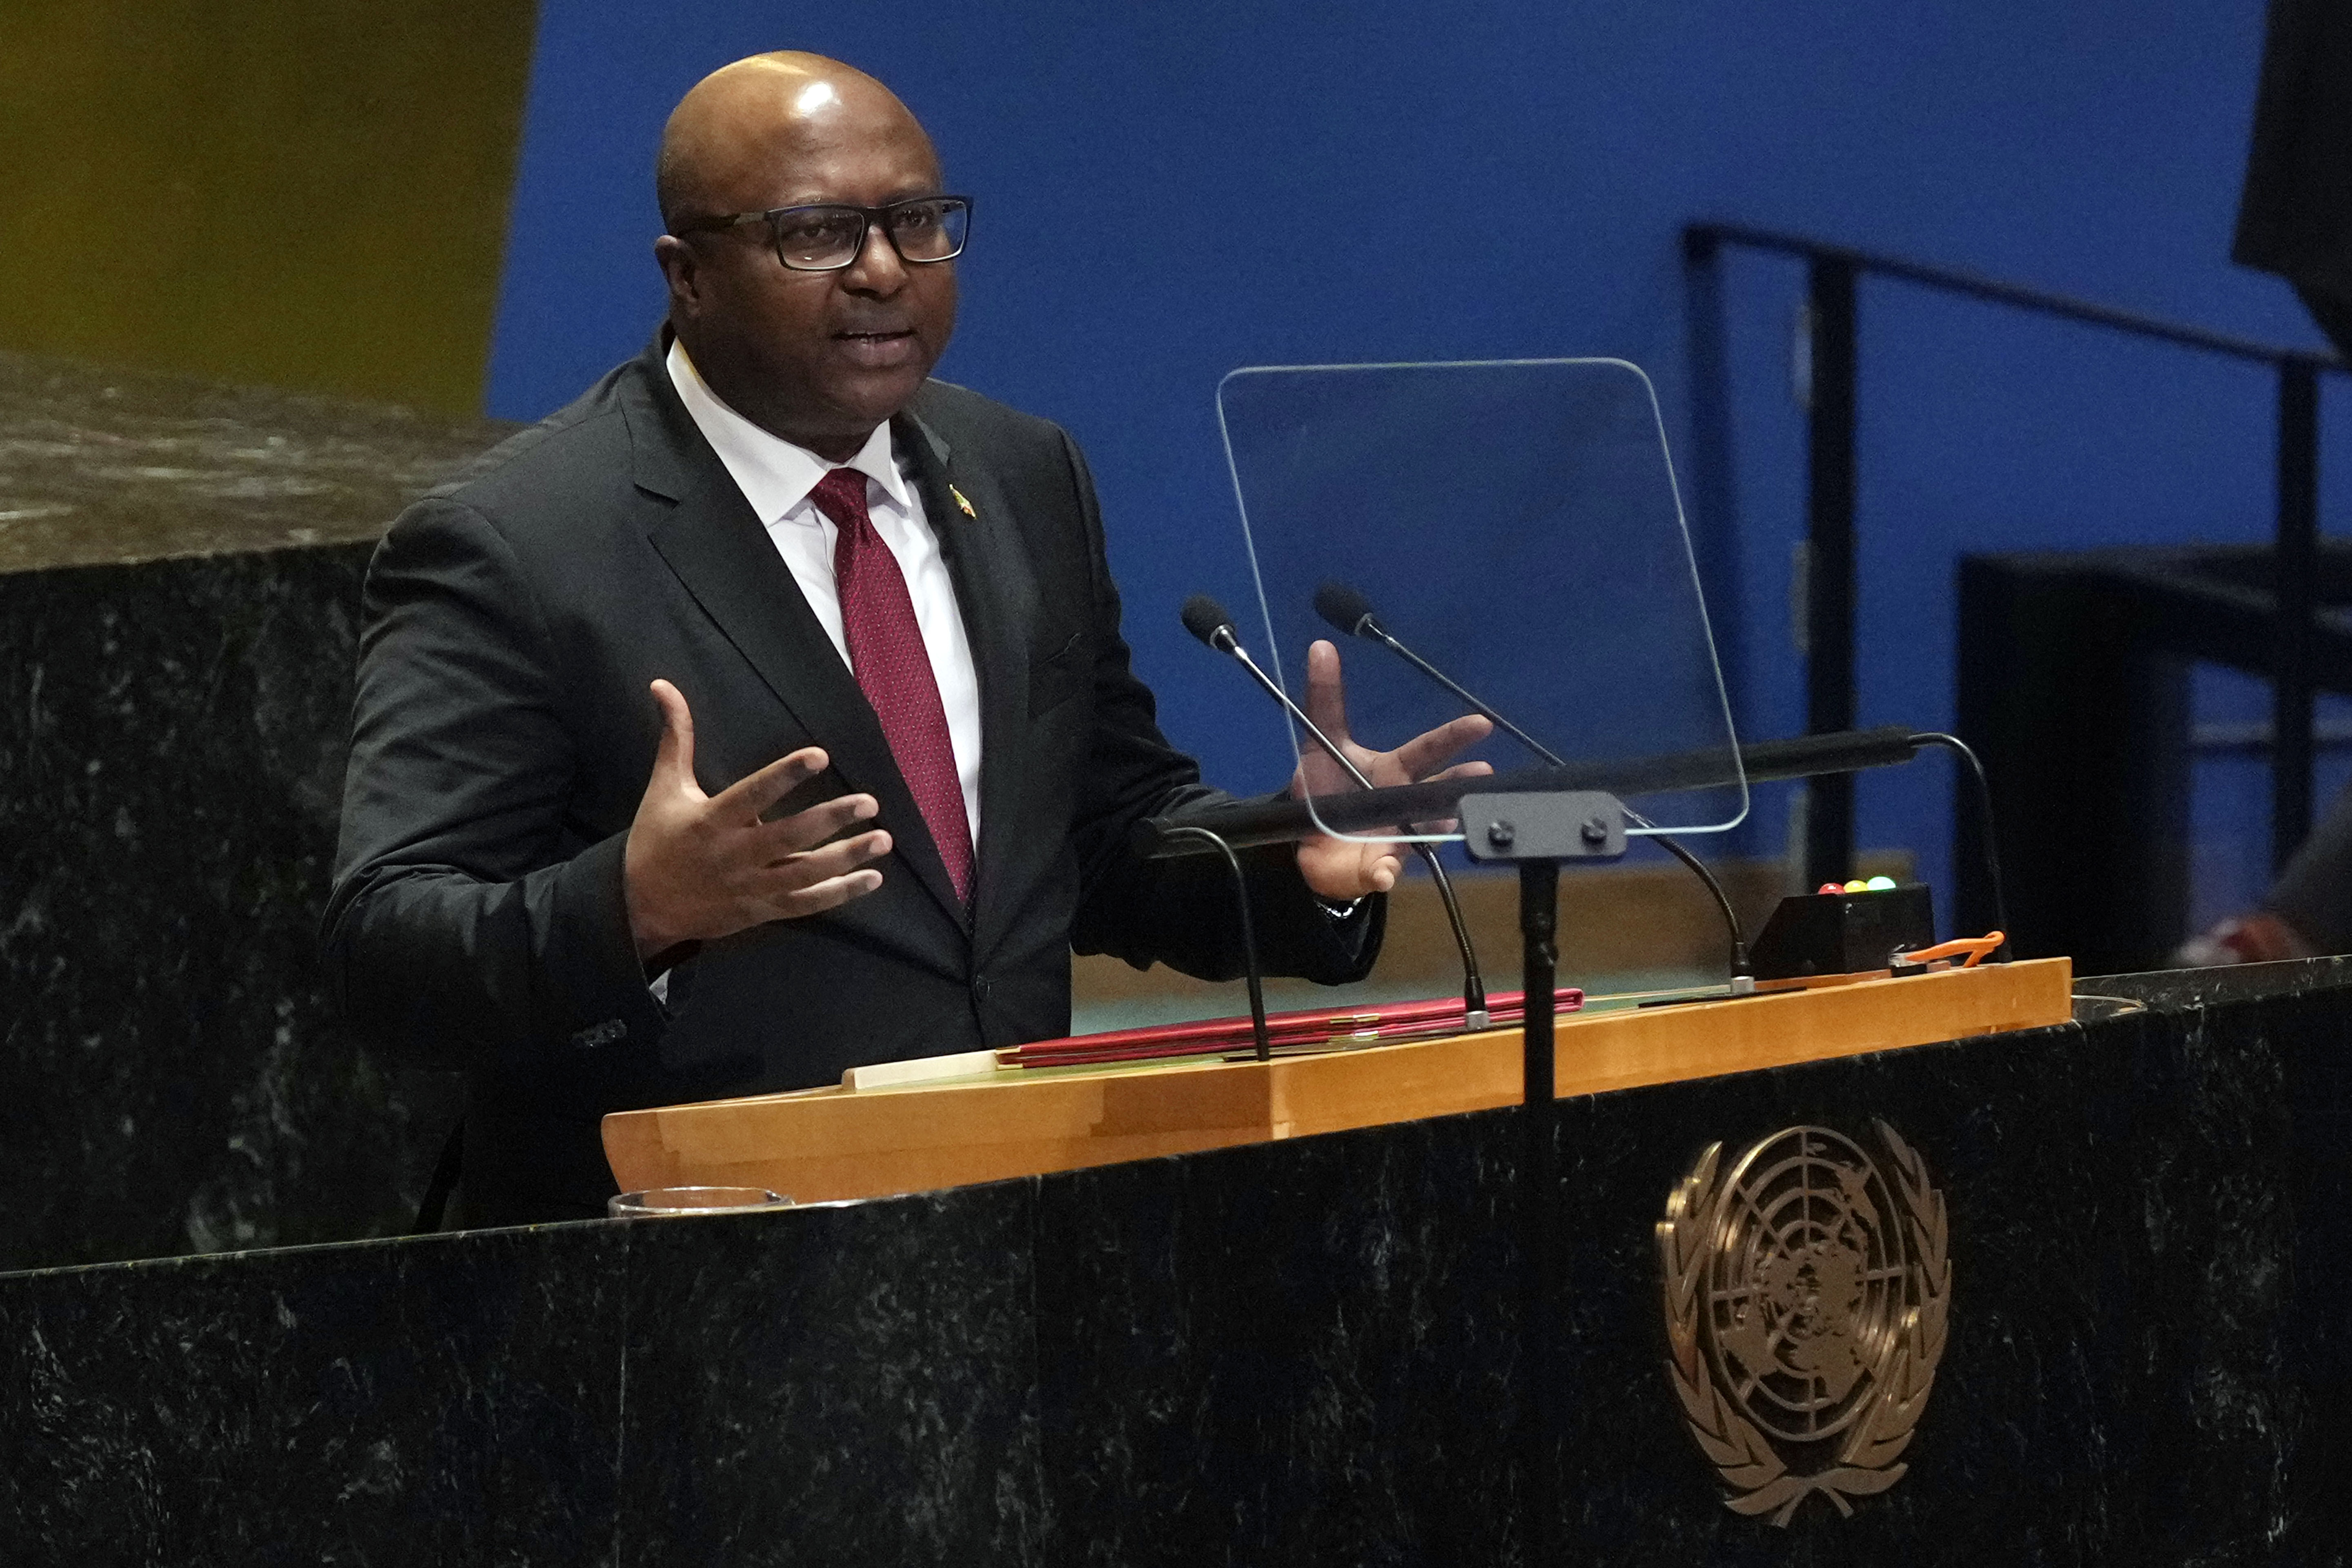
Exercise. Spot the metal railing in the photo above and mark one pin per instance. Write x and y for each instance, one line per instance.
(1833, 271)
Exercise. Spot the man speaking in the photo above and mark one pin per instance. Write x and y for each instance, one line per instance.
(765, 712)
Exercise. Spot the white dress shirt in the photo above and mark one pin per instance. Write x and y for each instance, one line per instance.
(776, 478)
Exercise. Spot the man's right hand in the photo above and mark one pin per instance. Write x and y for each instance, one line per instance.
(700, 867)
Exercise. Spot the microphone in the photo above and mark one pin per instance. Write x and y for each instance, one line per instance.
(1348, 611)
(1206, 619)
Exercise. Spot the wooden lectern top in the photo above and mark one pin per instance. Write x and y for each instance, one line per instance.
(822, 1144)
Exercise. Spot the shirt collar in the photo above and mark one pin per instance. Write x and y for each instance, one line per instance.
(774, 475)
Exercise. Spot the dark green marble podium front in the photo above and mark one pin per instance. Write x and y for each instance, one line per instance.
(1300, 1353)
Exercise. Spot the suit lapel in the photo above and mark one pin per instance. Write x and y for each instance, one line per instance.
(997, 595)
(715, 544)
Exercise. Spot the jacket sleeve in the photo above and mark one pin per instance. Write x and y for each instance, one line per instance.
(467, 928)
(1181, 913)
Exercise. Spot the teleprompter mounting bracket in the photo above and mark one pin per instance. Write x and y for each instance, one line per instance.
(1564, 825)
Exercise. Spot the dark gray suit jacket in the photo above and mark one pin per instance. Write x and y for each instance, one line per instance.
(502, 736)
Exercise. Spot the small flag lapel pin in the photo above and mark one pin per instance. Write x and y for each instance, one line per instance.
(962, 502)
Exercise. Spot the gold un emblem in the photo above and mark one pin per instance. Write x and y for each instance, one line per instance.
(1805, 1298)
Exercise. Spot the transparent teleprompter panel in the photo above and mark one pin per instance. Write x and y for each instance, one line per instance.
(1516, 525)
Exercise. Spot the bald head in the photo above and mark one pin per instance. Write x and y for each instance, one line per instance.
(727, 137)
(818, 356)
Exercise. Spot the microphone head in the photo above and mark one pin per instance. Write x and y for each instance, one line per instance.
(1204, 618)
(1348, 610)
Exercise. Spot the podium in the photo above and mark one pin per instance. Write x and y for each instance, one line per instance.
(1302, 1351)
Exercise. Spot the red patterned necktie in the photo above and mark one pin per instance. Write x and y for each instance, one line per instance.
(894, 669)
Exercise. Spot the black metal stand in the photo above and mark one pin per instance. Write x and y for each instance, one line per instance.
(2295, 567)
(1539, 972)
(1537, 832)
(1829, 560)
(1538, 1192)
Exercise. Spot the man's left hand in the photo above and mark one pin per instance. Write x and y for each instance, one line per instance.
(1345, 868)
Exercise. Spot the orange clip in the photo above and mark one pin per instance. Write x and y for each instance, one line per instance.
(1976, 947)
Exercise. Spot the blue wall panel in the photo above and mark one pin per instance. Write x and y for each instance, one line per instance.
(1168, 192)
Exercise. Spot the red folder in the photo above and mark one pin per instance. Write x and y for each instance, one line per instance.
(1311, 1027)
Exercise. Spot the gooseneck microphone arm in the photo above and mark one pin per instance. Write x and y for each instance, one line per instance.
(1976, 773)
(1741, 968)
(1348, 612)
(1207, 620)
(1249, 937)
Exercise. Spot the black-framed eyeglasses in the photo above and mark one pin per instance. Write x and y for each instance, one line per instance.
(828, 238)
